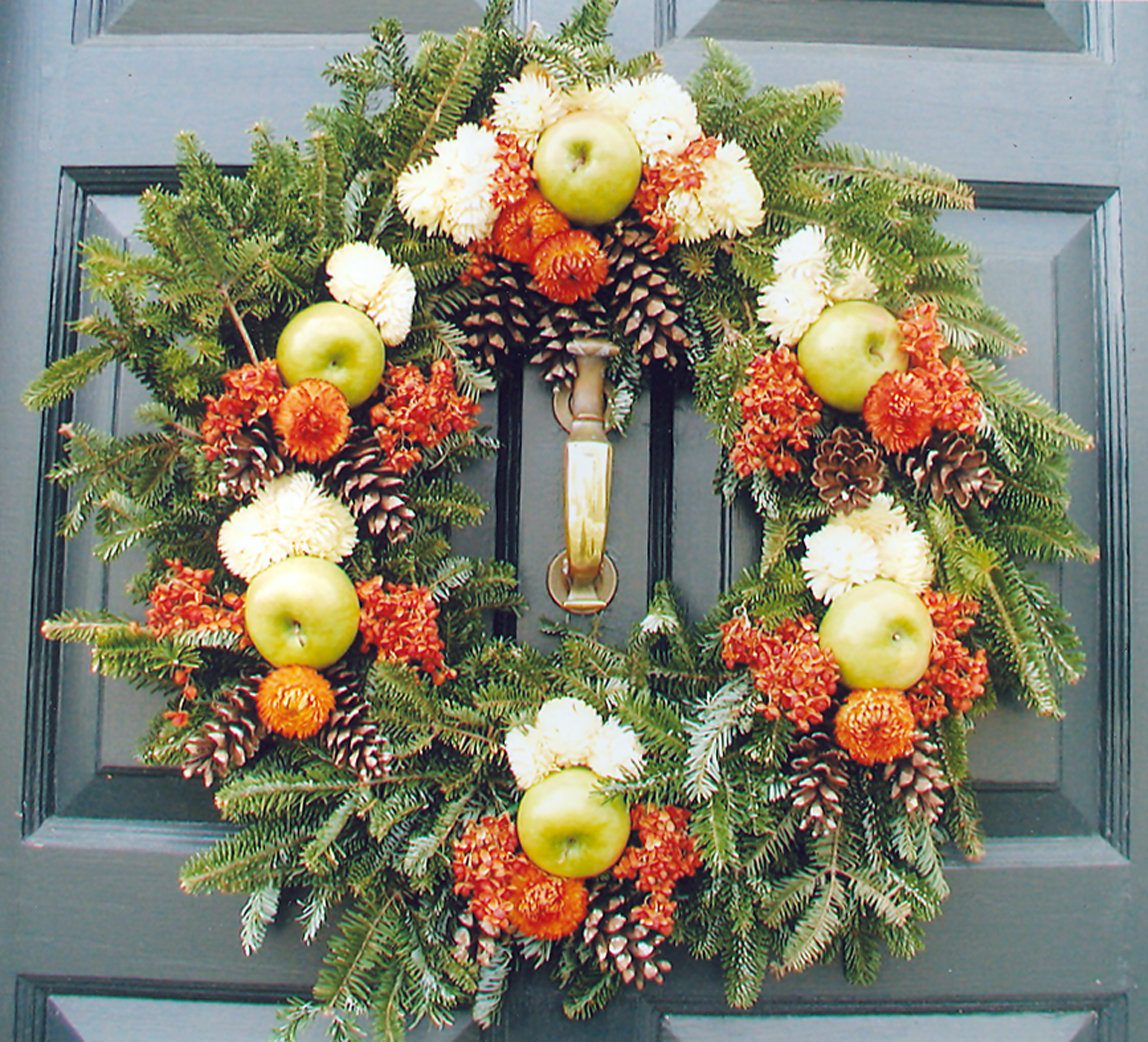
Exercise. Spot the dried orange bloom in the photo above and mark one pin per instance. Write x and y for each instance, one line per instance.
(546, 906)
(900, 410)
(250, 391)
(486, 857)
(523, 227)
(294, 701)
(515, 174)
(570, 266)
(875, 726)
(778, 410)
(182, 602)
(401, 623)
(921, 336)
(313, 420)
(665, 852)
(956, 676)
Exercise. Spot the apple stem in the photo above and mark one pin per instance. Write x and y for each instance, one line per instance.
(237, 319)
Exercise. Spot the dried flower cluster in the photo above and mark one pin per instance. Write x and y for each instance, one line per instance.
(182, 602)
(664, 855)
(875, 726)
(956, 676)
(251, 391)
(778, 412)
(295, 701)
(366, 278)
(401, 624)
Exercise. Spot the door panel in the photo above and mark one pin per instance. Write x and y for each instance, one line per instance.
(1039, 105)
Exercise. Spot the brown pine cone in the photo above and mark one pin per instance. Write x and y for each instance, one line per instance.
(353, 739)
(473, 943)
(228, 738)
(918, 781)
(818, 778)
(619, 942)
(847, 470)
(558, 325)
(359, 476)
(951, 465)
(501, 317)
(252, 459)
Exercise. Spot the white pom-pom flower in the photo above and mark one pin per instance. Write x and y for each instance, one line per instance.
(527, 106)
(803, 255)
(290, 517)
(366, 278)
(789, 306)
(568, 727)
(904, 556)
(836, 559)
(659, 112)
(617, 753)
(730, 193)
(692, 222)
(530, 762)
(854, 281)
(882, 515)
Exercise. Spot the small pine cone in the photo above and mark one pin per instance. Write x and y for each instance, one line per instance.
(640, 294)
(252, 459)
(818, 777)
(951, 465)
(558, 325)
(501, 317)
(618, 941)
(358, 475)
(350, 735)
(473, 943)
(918, 781)
(228, 738)
(847, 470)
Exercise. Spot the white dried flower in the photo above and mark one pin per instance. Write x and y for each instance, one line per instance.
(421, 191)
(881, 516)
(692, 222)
(730, 193)
(789, 306)
(529, 761)
(290, 517)
(569, 728)
(836, 559)
(527, 106)
(905, 557)
(599, 97)
(617, 753)
(366, 278)
(855, 279)
(803, 255)
(659, 112)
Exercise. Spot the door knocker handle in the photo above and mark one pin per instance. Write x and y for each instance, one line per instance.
(582, 579)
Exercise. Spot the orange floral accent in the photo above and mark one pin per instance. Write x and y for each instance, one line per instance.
(795, 674)
(486, 859)
(515, 175)
(182, 602)
(419, 413)
(250, 391)
(778, 410)
(665, 855)
(660, 178)
(956, 676)
(921, 336)
(520, 229)
(570, 266)
(546, 906)
(294, 701)
(313, 419)
(900, 410)
(875, 725)
(401, 622)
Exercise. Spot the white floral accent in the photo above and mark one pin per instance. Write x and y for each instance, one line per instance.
(568, 732)
(836, 559)
(451, 191)
(905, 557)
(882, 516)
(290, 517)
(659, 112)
(803, 255)
(691, 221)
(730, 192)
(527, 106)
(366, 278)
(788, 307)
(854, 281)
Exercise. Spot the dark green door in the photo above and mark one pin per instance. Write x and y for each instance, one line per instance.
(1040, 105)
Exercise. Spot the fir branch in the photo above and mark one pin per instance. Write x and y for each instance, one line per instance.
(721, 719)
(257, 915)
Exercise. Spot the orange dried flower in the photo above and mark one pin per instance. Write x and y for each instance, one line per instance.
(514, 175)
(486, 858)
(792, 671)
(294, 701)
(956, 676)
(659, 178)
(665, 852)
(875, 725)
(520, 229)
(182, 602)
(313, 419)
(900, 410)
(401, 622)
(656, 913)
(250, 391)
(957, 404)
(570, 266)
(546, 906)
(778, 410)
(921, 336)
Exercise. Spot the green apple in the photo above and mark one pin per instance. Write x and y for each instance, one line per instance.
(588, 166)
(881, 635)
(302, 611)
(848, 349)
(333, 342)
(567, 828)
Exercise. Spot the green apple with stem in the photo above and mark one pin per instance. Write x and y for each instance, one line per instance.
(567, 827)
(302, 611)
(881, 635)
(333, 342)
(848, 349)
(588, 166)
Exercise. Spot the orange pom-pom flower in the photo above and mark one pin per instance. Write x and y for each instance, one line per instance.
(570, 266)
(526, 225)
(900, 410)
(545, 906)
(295, 701)
(875, 726)
(313, 420)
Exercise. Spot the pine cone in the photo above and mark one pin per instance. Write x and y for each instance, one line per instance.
(252, 459)
(951, 465)
(918, 780)
(640, 295)
(610, 931)
(847, 470)
(228, 738)
(818, 776)
(358, 475)
(558, 325)
(350, 735)
(472, 942)
(502, 317)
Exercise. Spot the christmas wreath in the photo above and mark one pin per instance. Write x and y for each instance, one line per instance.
(769, 786)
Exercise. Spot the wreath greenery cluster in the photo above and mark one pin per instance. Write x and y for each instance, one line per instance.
(784, 808)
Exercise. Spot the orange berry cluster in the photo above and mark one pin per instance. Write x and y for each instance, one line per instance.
(401, 623)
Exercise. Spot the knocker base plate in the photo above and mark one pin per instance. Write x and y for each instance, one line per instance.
(558, 584)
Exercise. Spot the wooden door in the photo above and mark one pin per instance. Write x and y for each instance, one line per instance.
(1039, 105)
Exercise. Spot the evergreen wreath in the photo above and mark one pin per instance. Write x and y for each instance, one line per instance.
(773, 799)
